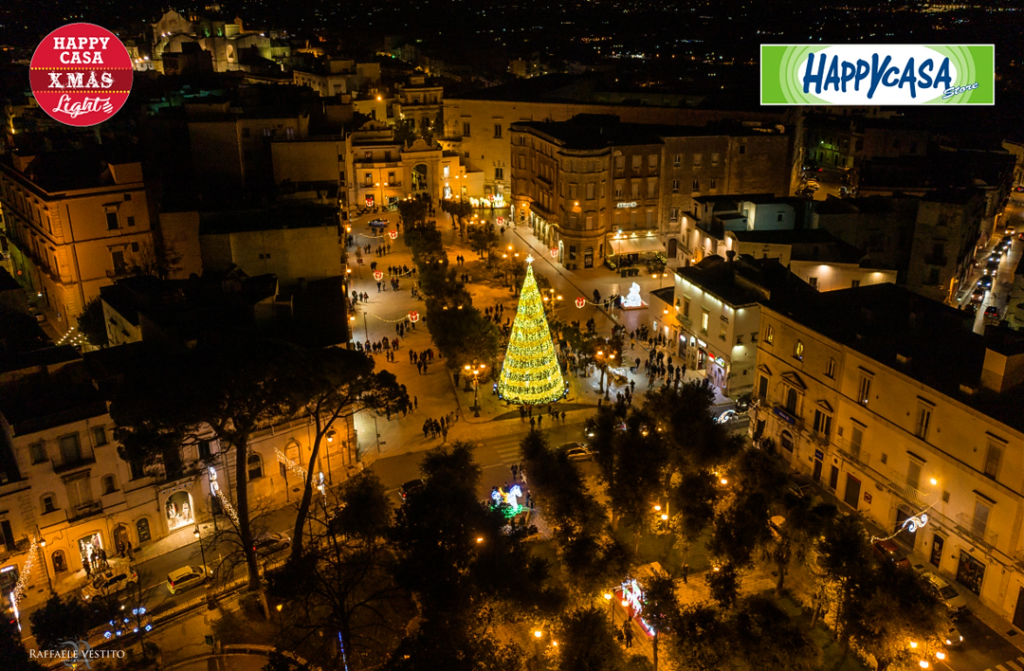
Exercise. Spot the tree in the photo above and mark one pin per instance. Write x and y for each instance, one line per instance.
(441, 644)
(460, 210)
(223, 388)
(21, 332)
(724, 584)
(699, 640)
(482, 238)
(531, 373)
(92, 324)
(587, 641)
(339, 383)
(413, 212)
(405, 131)
(766, 638)
(661, 607)
(634, 480)
(60, 620)
(462, 334)
(365, 511)
(13, 653)
(602, 353)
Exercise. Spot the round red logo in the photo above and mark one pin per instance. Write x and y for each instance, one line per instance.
(81, 74)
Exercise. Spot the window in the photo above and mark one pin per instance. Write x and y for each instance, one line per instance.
(778, 217)
(590, 222)
(99, 436)
(743, 149)
(245, 132)
(499, 173)
(714, 158)
(112, 224)
(697, 159)
(618, 189)
(713, 184)
(769, 335)
(677, 160)
(696, 185)
(497, 130)
(924, 418)
(49, 503)
(652, 162)
(704, 319)
(792, 397)
(686, 307)
(798, 351)
(634, 189)
(107, 484)
(813, 281)
(135, 246)
(204, 449)
(980, 522)
(573, 191)
(675, 186)
(522, 161)
(636, 163)
(762, 387)
(914, 473)
(854, 284)
(367, 179)
(255, 465)
(822, 423)
(142, 529)
(465, 128)
(590, 191)
(70, 449)
(993, 458)
(864, 390)
(830, 368)
(446, 171)
(37, 452)
(786, 440)
(131, 222)
(856, 439)
(673, 215)
(652, 186)
(620, 163)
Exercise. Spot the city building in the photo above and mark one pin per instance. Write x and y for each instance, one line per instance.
(889, 401)
(477, 123)
(814, 255)
(713, 314)
(844, 142)
(75, 221)
(599, 190)
(715, 216)
(421, 102)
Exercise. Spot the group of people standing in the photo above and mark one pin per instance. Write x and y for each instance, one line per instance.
(438, 428)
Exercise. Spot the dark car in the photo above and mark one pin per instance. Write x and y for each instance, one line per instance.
(992, 313)
(743, 404)
(269, 544)
(985, 282)
(410, 488)
(992, 267)
(887, 549)
(1019, 189)
(971, 308)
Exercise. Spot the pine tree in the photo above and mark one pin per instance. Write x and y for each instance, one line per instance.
(530, 374)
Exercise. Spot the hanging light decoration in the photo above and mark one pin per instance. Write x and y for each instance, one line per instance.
(581, 302)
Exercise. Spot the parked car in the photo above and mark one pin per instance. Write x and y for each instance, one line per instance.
(992, 267)
(972, 308)
(743, 404)
(379, 222)
(946, 593)
(576, 451)
(888, 550)
(268, 544)
(186, 577)
(992, 313)
(411, 487)
(110, 582)
(1019, 189)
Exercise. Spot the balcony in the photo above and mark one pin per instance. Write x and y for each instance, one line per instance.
(933, 260)
(85, 510)
(852, 452)
(787, 417)
(969, 526)
(897, 483)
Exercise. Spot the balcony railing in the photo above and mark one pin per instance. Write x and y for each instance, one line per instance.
(898, 483)
(976, 529)
(85, 510)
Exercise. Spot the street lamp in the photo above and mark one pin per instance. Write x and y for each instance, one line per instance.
(202, 552)
(611, 606)
(476, 369)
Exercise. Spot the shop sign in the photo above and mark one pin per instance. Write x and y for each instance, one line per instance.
(625, 206)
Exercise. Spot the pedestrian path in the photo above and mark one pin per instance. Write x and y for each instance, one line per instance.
(1009, 665)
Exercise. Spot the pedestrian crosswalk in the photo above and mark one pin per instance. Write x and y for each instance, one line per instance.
(507, 448)
(1009, 665)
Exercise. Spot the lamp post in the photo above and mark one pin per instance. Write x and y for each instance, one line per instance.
(476, 369)
(202, 552)
(46, 569)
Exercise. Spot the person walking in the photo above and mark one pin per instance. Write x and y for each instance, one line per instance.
(515, 471)
(686, 573)
(444, 433)
(522, 474)
(415, 403)
(627, 631)
(88, 567)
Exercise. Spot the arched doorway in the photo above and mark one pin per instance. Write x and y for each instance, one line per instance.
(419, 177)
(673, 245)
(121, 539)
(60, 562)
(179, 510)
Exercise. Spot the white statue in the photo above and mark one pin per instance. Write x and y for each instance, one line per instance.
(633, 299)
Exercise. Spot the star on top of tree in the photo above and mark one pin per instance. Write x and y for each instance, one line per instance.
(529, 258)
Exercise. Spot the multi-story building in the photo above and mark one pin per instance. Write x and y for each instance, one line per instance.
(75, 221)
(713, 314)
(421, 101)
(595, 187)
(843, 142)
(477, 123)
(891, 402)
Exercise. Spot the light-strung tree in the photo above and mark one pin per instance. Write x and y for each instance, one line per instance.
(224, 388)
(339, 383)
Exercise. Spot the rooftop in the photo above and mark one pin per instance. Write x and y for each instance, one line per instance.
(297, 215)
(744, 281)
(71, 169)
(937, 342)
(50, 397)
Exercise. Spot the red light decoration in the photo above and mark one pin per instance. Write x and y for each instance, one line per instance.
(500, 221)
(581, 301)
(414, 316)
(378, 275)
(554, 253)
(393, 234)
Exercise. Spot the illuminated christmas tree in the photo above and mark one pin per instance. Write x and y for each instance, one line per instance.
(530, 374)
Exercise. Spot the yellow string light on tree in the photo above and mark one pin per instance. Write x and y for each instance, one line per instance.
(530, 374)
(26, 570)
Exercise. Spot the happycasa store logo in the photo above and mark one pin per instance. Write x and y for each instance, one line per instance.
(81, 74)
(877, 74)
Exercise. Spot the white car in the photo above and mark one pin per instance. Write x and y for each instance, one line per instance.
(575, 451)
(726, 417)
(186, 577)
(946, 593)
(269, 544)
(109, 582)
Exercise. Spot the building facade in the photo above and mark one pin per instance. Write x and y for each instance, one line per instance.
(890, 402)
(71, 233)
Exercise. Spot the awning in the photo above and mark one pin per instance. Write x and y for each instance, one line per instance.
(649, 244)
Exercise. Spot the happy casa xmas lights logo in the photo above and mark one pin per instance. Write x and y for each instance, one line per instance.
(81, 74)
